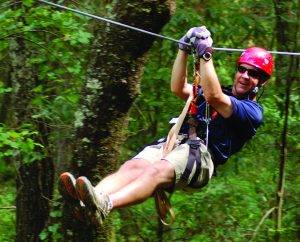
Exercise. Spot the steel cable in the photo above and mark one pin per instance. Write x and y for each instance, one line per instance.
(151, 33)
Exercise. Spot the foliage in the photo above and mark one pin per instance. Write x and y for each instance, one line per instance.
(58, 42)
(7, 209)
(53, 37)
(232, 206)
(14, 143)
(52, 231)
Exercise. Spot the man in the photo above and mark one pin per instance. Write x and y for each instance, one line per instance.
(236, 116)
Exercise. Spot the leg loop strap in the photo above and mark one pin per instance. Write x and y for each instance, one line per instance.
(194, 156)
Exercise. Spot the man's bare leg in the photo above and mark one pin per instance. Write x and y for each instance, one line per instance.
(159, 174)
(128, 172)
(141, 182)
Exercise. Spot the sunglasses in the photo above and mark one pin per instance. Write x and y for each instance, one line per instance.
(251, 72)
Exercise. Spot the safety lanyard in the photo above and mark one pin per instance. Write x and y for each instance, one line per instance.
(207, 122)
(162, 201)
(196, 75)
(193, 108)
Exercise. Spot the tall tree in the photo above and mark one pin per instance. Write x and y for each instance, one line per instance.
(287, 24)
(116, 64)
(34, 187)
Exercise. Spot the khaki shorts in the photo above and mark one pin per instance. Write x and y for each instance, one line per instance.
(178, 157)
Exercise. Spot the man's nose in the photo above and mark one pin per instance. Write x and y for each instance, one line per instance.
(245, 74)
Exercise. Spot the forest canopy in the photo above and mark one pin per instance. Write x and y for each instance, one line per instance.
(55, 116)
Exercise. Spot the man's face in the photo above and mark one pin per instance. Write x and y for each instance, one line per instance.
(246, 78)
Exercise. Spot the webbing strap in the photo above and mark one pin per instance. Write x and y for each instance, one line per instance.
(163, 205)
(162, 202)
(172, 135)
(194, 156)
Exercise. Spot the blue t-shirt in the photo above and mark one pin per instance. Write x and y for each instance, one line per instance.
(228, 135)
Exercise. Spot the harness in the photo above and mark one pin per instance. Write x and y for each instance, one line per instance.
(162, 201)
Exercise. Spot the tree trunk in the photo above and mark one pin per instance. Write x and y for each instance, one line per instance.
(113, 82)
(34, 179)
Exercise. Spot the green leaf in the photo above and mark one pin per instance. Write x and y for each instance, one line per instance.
(28, 3)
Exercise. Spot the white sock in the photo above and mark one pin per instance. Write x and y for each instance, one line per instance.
(110, 203)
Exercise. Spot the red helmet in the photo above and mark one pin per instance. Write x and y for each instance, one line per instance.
(259, 58)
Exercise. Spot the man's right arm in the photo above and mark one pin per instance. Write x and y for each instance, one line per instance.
(179, 84)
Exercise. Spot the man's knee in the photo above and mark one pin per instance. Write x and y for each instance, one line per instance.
(164, 171)
(164, 165)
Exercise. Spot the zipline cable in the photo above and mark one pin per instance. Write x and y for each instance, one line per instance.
(150, 33)
(112, 22)
(270, 51)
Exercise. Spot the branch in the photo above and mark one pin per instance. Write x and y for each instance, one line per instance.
(261, 222)
(32, 30)
(8, 207)
(292, 207)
